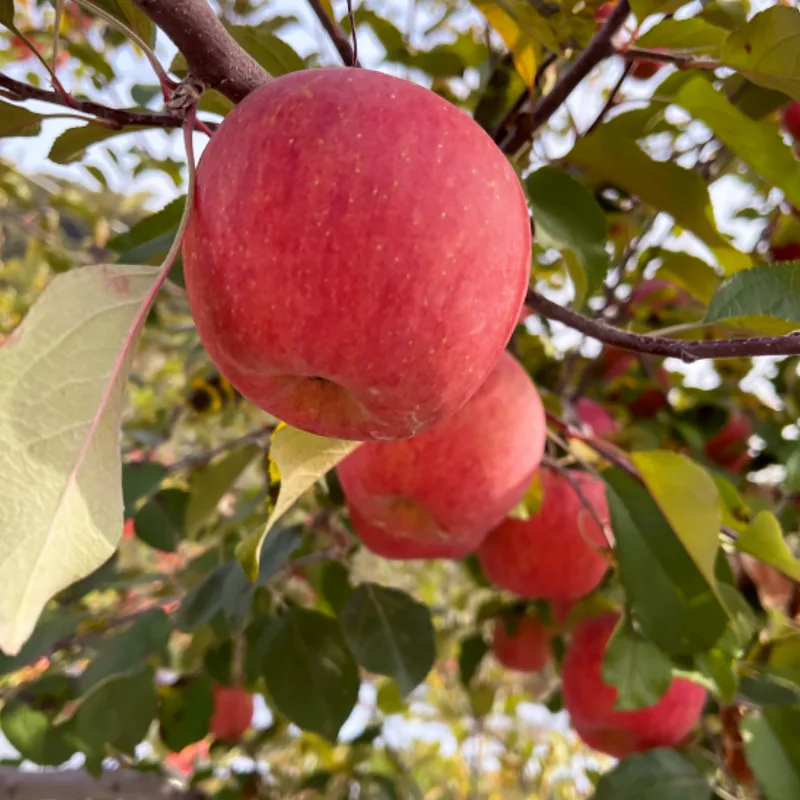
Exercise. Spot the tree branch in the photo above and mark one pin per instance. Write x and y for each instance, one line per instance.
(339, 38)
(681, 61)
(16, 90)
(212, 54)
(599, 48)
(688, 351)
(78, 785)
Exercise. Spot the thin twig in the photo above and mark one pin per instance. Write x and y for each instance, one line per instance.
(198, 459)
(688, 351)
(353, 33)
(121, 117)
(339, 38)
(612, 97)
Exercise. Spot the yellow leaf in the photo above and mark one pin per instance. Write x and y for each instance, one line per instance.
(301, 458)
(763, 538)
(688, 498)
(522, 44)
(531, 502)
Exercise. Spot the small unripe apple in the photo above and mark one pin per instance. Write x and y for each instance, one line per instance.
(557, 552)
(521, 642)
(590, 700)
(439, 494)
(790, 119)
(358, 253)
(233, 712)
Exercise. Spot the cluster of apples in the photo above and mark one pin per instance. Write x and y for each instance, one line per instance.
(356, 262)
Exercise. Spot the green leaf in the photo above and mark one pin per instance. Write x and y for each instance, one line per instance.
(115, 715)
(276, 551)
(311, 676)
(644, 8)
(267, 49)
(764, 50)
(473, 649)
(72, 144)
(301, 458)
(139, 21)
(688, 498)
(656, 775)
(7, 13)
(122, 653)
(769, 291)
(62, 502)
(18, 121)
(184, 711)
(693, 35)
(390, 634)
(34, 735)
(52, 627)
(668, 595)
(226, 589)
(567, 216)
(336, 588)
(773, 750)
(161, 521)
(209, 485)
(143, 93)
(612, 154)
(640, 672)
(148, 241)
(139, 480)
(763, 538)
(691, 273)
(757, 143)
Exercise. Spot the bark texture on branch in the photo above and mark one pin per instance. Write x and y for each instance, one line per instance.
(210, 51)
(79, 785)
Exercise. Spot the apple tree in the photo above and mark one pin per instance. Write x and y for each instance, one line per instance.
(400, 400)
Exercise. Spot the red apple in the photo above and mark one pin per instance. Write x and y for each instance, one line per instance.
(603, 13)
(788, 251)
(184, 762)
(595, 416)
(556, 554)
(728, 447)
(358, 253)
(650, 399)
(128, 529)
(438, 494)
(790, 119)
(521, 643)
(590, 701)
(645, 68)
(233, 712)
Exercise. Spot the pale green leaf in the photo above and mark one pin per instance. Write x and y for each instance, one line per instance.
(60, 472)
(757, 143)
(694, 36)
(765, 298)
(773, 750)
(639, 671)
(568, 217)
(763, 538)
(390, 634)
(209, 484)
(765, 50)
(688, 498)
(612, 154)
(301, 458)
(655, 775)
(18, 121)
(668, 595)
(139, 21)
(698, 278)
